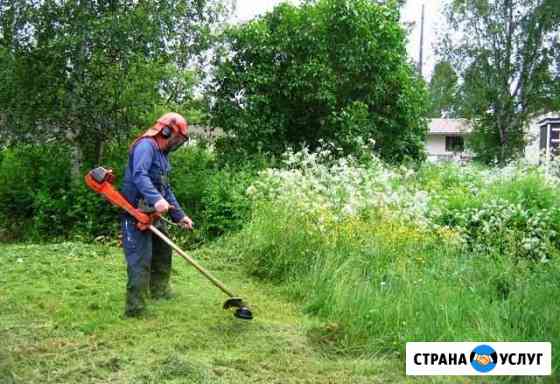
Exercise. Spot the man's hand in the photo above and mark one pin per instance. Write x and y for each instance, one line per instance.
(186, 223)
(162, 206)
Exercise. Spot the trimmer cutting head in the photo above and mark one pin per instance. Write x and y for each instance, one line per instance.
(242, 311)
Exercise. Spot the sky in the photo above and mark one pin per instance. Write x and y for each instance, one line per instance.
(247, 9)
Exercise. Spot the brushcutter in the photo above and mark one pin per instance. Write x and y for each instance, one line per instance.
(101, 180)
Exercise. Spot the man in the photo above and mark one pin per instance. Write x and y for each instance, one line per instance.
(146, 186)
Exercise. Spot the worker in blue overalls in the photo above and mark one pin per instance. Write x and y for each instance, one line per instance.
(146, 186)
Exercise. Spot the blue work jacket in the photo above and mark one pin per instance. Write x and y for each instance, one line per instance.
(146, 176)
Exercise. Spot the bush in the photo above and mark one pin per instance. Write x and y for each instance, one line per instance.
(226, 206)
(329, 69)
(512, 211)
(29, 175)
(40, 201)
(212, 194)
(193, 167)
(18, 177)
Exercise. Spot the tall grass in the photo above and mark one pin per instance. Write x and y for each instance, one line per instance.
(385, 256)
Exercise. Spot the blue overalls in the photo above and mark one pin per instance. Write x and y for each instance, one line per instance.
(148, 258)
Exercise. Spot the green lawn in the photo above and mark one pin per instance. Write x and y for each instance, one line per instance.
(60, 322)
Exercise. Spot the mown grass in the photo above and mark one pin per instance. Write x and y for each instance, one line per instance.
(60, 322)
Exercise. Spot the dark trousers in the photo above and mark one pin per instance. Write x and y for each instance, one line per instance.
(148, 261)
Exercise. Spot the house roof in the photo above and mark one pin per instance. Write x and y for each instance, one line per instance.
(449, 126)
(549, 120)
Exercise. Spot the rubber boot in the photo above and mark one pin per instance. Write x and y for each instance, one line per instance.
(138, 252)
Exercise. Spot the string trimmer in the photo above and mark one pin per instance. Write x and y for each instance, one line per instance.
(101, 180)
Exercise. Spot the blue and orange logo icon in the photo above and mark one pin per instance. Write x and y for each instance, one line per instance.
(483, 358)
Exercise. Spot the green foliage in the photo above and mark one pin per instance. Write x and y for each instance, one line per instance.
(512, 212)
(378, 284)
(379, 255)
(193, 166)
(518, 218)
(214, 197)
(39, 200)
(443, 91)
(28, 175)
(17, 177)
(226, 206)
(86, 73)
(506, 66)
(329, 70)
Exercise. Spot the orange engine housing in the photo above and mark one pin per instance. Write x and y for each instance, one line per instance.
(100, 180)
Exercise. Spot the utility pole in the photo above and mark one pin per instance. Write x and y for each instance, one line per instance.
(421, 56)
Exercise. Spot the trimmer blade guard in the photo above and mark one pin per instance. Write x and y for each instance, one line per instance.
(234, 302)
(242, 311)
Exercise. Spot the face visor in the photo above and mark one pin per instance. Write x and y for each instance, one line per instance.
(176, 141)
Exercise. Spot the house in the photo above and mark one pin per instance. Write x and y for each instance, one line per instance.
(446, 139)
(203, 132)
(543, 138)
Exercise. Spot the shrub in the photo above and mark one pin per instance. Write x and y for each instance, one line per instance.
(512, 211)
(40, 201)
(211, 193)
(226, 206)
(31, 181)
(329, 69)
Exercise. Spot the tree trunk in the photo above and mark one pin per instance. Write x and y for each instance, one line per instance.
(76, 158)
(99, 151)
(76, 153)
(502, 130)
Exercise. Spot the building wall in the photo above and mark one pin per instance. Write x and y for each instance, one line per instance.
(532, 148)
(435, 145)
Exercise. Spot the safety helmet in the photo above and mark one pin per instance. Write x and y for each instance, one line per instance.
(170, 120)
(167, 124)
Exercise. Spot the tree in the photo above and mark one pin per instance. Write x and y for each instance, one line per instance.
(331, 70)
(443, 91)
(85, 73)
(505, 58)
(399, 3)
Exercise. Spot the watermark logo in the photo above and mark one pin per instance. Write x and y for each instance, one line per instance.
(483, 358)
(490, 359)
